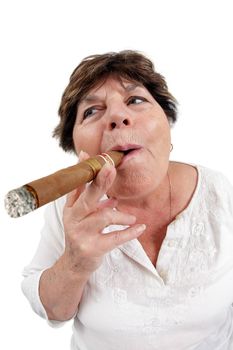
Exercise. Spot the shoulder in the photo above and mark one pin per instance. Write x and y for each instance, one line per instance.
(217, 187)
(208, 185)
(213, 176)
(191, 175)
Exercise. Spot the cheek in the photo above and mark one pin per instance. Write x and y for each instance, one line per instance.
(86, 139)
(159, 132)
(78, 140)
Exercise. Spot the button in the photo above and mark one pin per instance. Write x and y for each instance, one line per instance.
(171, 243)
(162, 274)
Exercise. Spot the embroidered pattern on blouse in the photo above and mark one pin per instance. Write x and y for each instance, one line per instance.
(141, 303)
(185, 280)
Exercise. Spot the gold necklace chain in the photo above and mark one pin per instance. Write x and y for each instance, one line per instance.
(170, 197)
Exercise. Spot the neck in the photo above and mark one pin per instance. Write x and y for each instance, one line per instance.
(155, 206)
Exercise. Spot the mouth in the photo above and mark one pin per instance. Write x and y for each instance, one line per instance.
(126, 149)
(129, 150)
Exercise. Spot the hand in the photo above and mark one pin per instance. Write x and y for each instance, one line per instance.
(85, 217)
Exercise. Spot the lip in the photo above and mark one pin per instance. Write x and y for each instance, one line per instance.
(125, 147)
(129, 156)
(136, 149)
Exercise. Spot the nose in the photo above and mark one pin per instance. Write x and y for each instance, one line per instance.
(118, 118)
(119, 123)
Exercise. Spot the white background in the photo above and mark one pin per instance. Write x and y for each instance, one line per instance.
(42, 41)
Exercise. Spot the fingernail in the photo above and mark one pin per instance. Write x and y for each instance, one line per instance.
(131, 219)
(140, 228)
(81, 154)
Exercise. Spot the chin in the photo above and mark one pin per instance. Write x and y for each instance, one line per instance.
(130, 184)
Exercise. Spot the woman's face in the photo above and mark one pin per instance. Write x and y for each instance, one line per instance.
(122, 115)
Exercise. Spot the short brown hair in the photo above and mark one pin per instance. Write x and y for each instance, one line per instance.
(92, 70)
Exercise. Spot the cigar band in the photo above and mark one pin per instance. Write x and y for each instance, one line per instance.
(109, 159)
(94, 164)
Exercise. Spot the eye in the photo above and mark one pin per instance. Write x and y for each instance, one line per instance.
(136, 100)
(89, 112)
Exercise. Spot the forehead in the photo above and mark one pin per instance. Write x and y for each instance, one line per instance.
(115, 83)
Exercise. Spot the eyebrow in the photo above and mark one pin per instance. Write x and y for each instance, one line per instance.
(131, 87)
(94, 98)
(89, 99)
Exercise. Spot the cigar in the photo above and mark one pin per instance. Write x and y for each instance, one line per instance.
(33, 195)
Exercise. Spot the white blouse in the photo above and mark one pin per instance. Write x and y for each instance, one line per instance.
(185, 303)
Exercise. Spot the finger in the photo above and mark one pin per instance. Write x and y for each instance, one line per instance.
(73, 196)
(101, 184)
(105, 177)
(117, 238)
(106, 217)
(107, 203)
(89, 200)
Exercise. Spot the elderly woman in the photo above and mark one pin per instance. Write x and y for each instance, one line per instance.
(141, 258)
